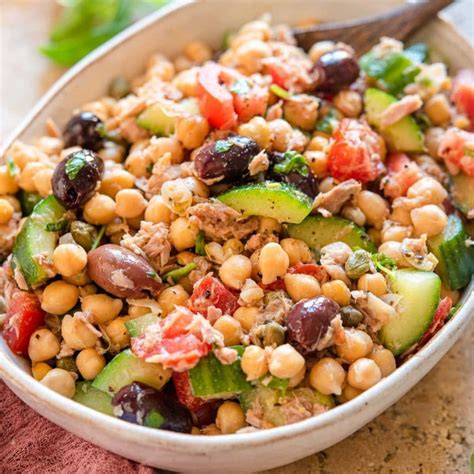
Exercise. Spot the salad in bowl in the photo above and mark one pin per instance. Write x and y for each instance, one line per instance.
(241, 239)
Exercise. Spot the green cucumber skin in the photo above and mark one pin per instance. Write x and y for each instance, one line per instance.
(157, 120)
(34, 240)
(456, 261)
(135, 327)
(420, 292)
(93, 398)
(462, 192)
(126, 368)
(210, 379)
(404, 135)
(318, 231)
(283, 202)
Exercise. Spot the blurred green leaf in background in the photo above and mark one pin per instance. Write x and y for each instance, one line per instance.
(85, 24)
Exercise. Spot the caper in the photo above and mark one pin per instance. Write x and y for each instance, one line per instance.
(351, 317)
(119, 88)
(84, 234)
(67, 363)
(270, 334)
(358, 264)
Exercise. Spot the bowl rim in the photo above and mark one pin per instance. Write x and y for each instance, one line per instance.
(65, 407)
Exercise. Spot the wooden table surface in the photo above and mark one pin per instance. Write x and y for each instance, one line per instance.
(427, 431)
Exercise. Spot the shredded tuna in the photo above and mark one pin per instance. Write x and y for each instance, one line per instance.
(152, 305)
(430, 167)
(276, 309)
(376, 312)
(250, 294)
(213, 314)
(226, 355)
(203, 267)
(8, 232)
(257, 241)
(259, 163)
(333, 200)
(403, 107)
(220, 222)
(415, 253)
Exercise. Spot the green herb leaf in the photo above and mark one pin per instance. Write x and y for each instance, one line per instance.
(200, 245)
(222, 146)
(12, 167)
(384, 263)
(179, 273)
(241, 87)
(57, 226)
(328, 123)
(468, 151)
(153, 275)
(279, 384)
(293, 161)
(75, 164)
(280, 92)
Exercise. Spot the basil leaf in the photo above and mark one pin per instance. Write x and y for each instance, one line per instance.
(292, 161)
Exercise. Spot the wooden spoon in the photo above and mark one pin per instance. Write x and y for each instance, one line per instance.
(363, 33)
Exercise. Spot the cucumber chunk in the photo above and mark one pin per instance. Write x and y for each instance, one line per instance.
(318, 231)
(456, 261)
(93, 398)
(420, 293)
(281, 201)
(28, 201)
(126, 368)
(462, 192)
(34, 244)
(135, 327)
(404, 135)
(211, 379)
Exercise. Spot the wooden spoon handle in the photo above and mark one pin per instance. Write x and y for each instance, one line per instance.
(363, 33)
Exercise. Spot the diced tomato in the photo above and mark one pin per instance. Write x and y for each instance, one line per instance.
(402, 173)
(277, 285)
(463, 94)
(355, 153)
(251, 103)
(24, 316)
(457, 149)
(211, 292)
(184, 391)
(215, 101)
(312, 269)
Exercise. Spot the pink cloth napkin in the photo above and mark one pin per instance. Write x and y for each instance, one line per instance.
(31, 444)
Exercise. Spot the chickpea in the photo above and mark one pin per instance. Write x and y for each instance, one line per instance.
(61, 381)
(102, 307)
(395, 232)
(246, 316)
(137, 163)
(401, 215)
(6, 211)
(8, 184)
(137, 311)
(183, 234)
(429, 220)
(89, 363)
(258, 129)
(43, 181)
(349, 393)
(43, 345)
(429, 190)
(349, 103)
(117, 332)
(14, 202)
(26, 176)
(433, 137)
(318, 143)
(198, 52)
(129, 203)
(319, 48)
(268, 225)
(230, 418)
(177, 195)
(99, 210)
(281, 133)
(384, 359)
(327, 376)
(300, 286)
(373, 282)
(249, 55)
(437, 109)
(186, 82)
(171, 297)
(363, 374)
(157, 211)
(211, 430)
(286, 362)
(374, 207)
(273, 262)
(254, 362)
(260, 28)
(302, 111)
(358, 344)
(317, 161)
(354, 214)
(297, 379)
(39, 370)
(338, 291)
(327, 184)
(59, 297)
(76, 333)
(230, 328)
(297, 250)
(235, 270)
(115, 181)
(164, 145)
(232, 247)
(192, 131)
(69, 259)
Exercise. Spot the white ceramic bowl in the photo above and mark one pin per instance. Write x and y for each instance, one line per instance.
(168, 31)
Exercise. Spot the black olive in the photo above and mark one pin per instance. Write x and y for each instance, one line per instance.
(83, 130)
(227, 159)
(309, 320)
(335, 70)
(146, 406)
(75, 178)
(307, 184)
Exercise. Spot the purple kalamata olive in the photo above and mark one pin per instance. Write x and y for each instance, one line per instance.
(205, 414)
(138, 403)
(309, 320)
(304, 180)
(226, 160)
(83, 130)
(121, 272)
(335, 70)
(75, 178)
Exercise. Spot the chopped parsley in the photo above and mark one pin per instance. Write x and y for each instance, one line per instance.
(384, 263)
(328, 123)
(75, 164)
(292, 161)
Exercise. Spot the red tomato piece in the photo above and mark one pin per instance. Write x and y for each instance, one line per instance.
(184, 391)
(251, 103)
(355, 152)
(402, 173)
(463, 94)
(312, 269)
(211, 292)
(215, 101)
(457, 149)
(24, 316)
(277, 285)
